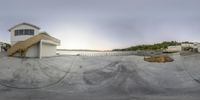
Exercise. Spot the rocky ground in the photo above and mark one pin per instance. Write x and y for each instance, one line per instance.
(99, 78)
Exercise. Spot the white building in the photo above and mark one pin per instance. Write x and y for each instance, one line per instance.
(187, 45)
(27, 41)
(177, 48)
(1, 45)
(197, 46)
(22, 32)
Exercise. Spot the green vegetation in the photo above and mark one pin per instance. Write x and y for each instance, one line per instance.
(157, 46)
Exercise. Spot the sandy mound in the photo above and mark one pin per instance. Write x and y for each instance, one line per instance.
(158, 58)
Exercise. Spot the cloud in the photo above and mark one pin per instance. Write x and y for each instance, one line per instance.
(109, 23)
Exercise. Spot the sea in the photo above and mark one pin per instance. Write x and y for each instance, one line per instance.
(95, 53)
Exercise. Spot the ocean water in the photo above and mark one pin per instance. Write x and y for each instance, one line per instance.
(96, 53)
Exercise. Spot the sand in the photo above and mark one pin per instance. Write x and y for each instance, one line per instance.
(99, 78)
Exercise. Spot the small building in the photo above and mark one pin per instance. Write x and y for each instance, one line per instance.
(28, 41)
(1, 46)
(197, 46)
(185, 45)
(177, 48)
(189, 46)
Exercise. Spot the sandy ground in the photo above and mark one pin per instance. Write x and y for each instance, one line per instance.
(99, 78)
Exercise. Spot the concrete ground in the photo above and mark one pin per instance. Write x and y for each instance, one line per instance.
(99, 78)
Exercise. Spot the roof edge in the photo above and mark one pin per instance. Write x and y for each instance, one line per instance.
(24, 23)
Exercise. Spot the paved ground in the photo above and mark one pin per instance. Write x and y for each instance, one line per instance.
(99, 78)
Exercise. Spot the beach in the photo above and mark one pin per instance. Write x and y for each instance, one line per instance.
(126, 77)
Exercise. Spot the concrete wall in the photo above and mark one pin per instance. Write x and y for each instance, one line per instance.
(48, 50)
(32, 52)
(15, 39)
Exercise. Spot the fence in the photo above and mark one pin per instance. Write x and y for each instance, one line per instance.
(88, 53)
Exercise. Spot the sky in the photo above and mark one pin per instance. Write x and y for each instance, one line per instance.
(105, 24)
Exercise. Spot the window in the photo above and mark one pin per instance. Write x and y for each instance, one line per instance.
(16, 32)
(20, 32)
(31, 32)
(24, 32)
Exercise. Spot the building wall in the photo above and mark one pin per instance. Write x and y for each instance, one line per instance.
(32, 52)
(174, 48)
(15, 39)
(187, 45)
(48, 50)
(198, 47)
(1, 44)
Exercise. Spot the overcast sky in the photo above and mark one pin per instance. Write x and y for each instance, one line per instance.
(105, 24)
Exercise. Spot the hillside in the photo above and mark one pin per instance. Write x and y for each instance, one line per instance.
(157, 46)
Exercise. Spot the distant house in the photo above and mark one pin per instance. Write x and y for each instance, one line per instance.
(177, 48)
(27, 41)
(1, 46)
(197, 46)
(193, 47)
(187, 45)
